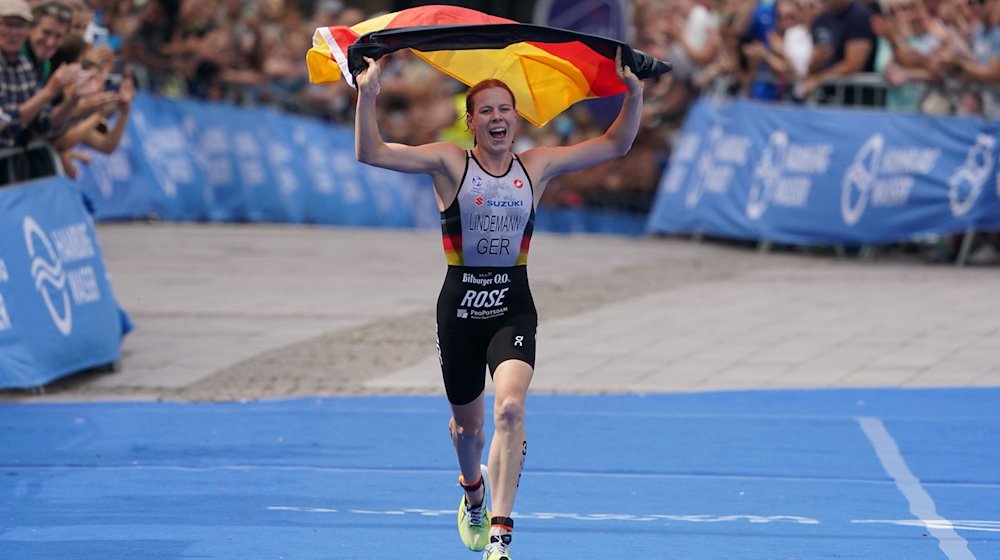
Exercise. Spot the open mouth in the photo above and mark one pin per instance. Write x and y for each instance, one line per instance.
(498, 133)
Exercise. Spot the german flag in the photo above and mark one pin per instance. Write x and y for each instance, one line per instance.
(548, 69)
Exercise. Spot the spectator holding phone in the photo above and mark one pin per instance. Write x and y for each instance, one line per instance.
(110, 78)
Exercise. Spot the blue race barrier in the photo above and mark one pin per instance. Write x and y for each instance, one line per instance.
(112, 186)
(193, 161)
(57, 313)
(748, 170)
(169, 164)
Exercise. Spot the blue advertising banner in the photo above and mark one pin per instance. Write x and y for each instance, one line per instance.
(113, 187)
(185, 160)
(167, 159)
(747, 170)
(57, 312)
(212, 141)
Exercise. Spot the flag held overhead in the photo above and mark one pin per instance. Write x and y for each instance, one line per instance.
(547, 68)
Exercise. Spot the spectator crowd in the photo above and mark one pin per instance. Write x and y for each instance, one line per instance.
(71, 67)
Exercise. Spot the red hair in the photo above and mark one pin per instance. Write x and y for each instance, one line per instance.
(486, 84)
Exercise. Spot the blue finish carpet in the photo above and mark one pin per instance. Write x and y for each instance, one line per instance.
(846, 474)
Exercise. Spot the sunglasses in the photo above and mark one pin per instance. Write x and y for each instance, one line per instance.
(59, 11)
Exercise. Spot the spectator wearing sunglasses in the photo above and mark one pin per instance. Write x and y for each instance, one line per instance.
(51, 24)
(26, 108)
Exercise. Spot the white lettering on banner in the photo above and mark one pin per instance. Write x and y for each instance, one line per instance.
(917, 161)
(717, 181)
(321, 179)
(893, 191)
(83, 285)
(119, 165)
(676, 174)
(811, 159)
(214, 150)
(74, 243)
(971, 176)
(733, 149)
(215, 140)
(245, 144)
(50, 278)
(100, 172)
(252, 171)
(346, 168)
(684, 153)
(704, 166)
(714, 169)
(687, 147)
(5, 324)
(219, 171)
(792, 192)
(282, 159)
(168, 154)
(781, 177)
(883, 176)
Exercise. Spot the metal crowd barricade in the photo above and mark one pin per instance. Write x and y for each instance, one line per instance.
(8, 160)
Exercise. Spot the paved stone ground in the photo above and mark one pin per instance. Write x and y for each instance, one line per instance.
(247, 311)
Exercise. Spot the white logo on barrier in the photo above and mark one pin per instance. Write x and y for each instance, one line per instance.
(167, 152)
(974, 172)
(100, 172)
(720, 155)
(703, 168)
(319, 175)
(50, 278)
(860, 179)
(283, 161)
(767, 174)
(684, 153)
(5, 324)
(214, 154)
(346, 168)
(249, 161)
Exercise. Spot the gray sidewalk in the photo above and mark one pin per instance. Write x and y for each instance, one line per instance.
(290, 311)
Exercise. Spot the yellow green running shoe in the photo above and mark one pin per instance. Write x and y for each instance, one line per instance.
(498, 548)
(474, 522)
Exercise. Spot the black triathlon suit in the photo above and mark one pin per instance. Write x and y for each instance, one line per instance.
(485, 313)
